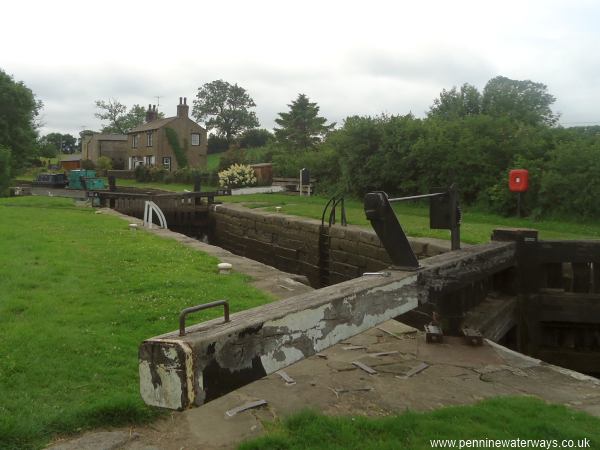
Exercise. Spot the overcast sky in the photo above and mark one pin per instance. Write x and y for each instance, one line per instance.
(350, 57)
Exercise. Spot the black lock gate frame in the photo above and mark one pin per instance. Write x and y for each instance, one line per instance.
(444, 214)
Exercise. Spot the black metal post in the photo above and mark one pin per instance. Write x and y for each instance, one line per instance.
(112, 183)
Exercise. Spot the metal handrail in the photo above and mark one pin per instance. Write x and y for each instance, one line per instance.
(334, 201)
(192, 309)
(344, 221)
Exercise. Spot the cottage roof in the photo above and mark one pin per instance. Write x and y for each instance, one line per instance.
(64, 158)
(154, 125)
(111, 137)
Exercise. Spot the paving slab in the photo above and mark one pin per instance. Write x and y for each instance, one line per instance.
(456, 374)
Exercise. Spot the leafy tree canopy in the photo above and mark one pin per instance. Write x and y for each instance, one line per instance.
(225, 108)
(216, 144)
(456, 103)
(256, 137)
(521, 100)
(18, 112)
(53, 143)
(301, 128)
(120, 120)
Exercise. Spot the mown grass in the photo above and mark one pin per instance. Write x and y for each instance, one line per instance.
(78, 293)
(172, 187)
(212, 161)
(476, 226)
(499, 418)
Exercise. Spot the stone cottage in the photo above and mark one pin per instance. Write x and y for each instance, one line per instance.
(171, 143)
(113, 146)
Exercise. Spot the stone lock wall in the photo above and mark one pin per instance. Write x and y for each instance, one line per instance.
(295, 244)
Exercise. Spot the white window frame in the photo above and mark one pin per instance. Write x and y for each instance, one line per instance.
(149, 160)
(196, 135)
(149, 135)
(134, 141)
(166, 162)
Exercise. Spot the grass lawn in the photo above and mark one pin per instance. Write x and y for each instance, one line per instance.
(174, 187)
(78, 292)
(500, 418)
(414, 217)
(212, 161)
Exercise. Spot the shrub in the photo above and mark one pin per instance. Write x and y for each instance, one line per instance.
(104, 163)
(150, 173)
(322, 164)
(231, 157)
(571, 182)
(236, 176)
(183, 175)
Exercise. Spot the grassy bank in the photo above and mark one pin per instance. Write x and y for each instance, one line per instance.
(172, 187)
(78, 293)
(414, 217)
(501, 418)
(476, 226)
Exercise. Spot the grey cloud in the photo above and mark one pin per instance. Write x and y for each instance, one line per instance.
(439, 66)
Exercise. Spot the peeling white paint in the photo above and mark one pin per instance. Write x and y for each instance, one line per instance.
(168, 394)
(318, 325)
(271, 365)
(311, 323)
(170, 353)
(394, 286)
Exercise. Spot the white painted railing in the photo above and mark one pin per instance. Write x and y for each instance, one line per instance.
(149, 208)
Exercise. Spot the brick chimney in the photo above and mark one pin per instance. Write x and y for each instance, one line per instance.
(149, 115)
(183, 109)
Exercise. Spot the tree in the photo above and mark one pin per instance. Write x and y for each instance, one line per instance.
(227, 108)
(47, 149)
(216, 144)
(521, 100)
(301, 128)
(5, 170)
(54, 143)
(455, 103)
(256, 137)
(18, 112)
(119, 119)
(82, 136)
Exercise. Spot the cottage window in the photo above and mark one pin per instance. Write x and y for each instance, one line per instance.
(195, 138)
(134, 141)
(149, 139)
(149, 160)
(167, 163)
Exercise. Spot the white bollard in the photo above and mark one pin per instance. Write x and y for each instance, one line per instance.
(224, 268)
(278, 208)
(133, 227)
